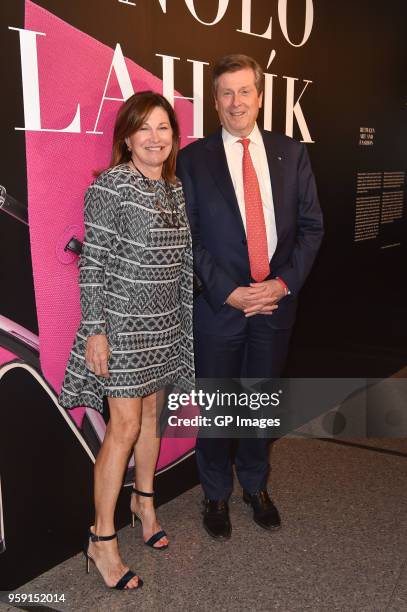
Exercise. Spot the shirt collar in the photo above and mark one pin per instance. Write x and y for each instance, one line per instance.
(254, 136)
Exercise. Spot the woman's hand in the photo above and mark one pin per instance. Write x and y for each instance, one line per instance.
(97, 355)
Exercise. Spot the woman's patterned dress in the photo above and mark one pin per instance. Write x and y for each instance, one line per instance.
(136, 287)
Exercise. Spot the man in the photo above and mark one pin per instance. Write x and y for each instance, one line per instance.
(256, 228)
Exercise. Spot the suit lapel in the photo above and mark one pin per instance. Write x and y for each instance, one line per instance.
(275, 160)
(218, 166)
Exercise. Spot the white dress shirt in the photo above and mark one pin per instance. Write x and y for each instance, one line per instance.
(234, 156)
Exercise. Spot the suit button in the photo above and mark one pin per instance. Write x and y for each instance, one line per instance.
(244, 242)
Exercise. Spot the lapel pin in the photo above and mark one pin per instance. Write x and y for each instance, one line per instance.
(279, 158)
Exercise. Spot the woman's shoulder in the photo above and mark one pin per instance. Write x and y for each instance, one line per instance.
(112, 178)
(106, 178)
(177, 185)
(178, 189)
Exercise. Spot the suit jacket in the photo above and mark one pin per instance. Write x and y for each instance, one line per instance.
(220, 251)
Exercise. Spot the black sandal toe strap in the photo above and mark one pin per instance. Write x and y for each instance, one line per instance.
(126, 579)
(155, 538)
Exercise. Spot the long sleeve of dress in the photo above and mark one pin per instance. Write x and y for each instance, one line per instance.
(186, 298)
(102, 203)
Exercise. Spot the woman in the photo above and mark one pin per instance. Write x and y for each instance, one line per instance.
(135, 335)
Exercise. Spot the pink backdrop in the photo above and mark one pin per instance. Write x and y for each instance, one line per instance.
(73, 69)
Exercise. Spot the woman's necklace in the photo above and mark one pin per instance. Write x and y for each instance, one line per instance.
(170, 217)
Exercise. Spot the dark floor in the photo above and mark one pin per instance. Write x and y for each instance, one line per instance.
(342, 545)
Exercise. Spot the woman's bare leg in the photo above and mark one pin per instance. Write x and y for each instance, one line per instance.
(146, 452)
(121, 432)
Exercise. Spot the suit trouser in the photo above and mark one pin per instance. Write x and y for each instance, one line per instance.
(258, 352)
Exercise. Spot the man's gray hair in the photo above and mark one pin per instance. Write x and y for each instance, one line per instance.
(235, 62)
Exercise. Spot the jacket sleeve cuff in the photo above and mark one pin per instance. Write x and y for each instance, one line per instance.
(283, 284)
(217, 296)
(94, 328)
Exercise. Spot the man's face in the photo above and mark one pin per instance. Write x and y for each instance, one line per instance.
(237, 101)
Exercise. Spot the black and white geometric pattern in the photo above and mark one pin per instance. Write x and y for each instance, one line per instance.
(136, 287)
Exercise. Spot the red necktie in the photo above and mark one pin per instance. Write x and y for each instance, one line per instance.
(255, 225)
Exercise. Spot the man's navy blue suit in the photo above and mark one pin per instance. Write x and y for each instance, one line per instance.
(227, 344)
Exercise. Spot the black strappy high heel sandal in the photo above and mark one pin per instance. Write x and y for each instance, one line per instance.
(156, 536)
(125, 579)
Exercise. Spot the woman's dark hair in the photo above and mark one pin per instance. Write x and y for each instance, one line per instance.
(131, 116)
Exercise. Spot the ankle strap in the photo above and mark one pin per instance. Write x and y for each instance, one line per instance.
(142, 493)
(96, 538)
